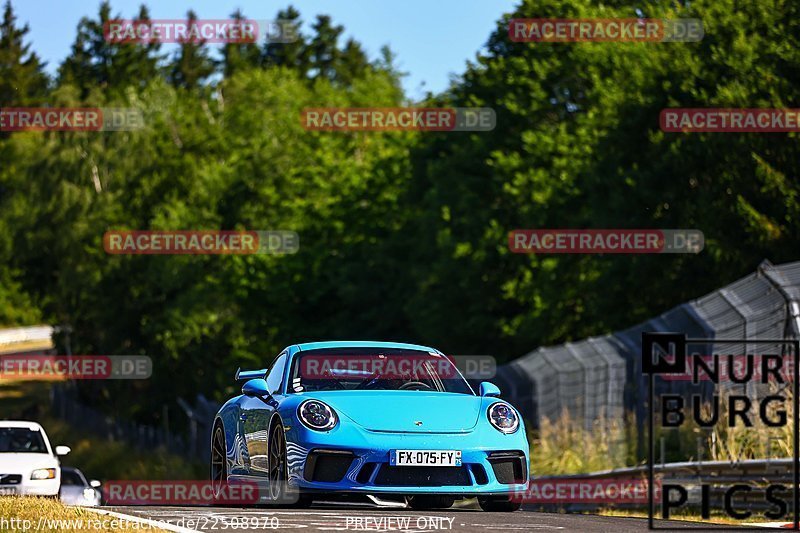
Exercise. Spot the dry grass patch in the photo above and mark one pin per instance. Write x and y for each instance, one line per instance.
(28, 514)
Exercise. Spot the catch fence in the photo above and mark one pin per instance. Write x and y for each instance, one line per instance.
(602, 378)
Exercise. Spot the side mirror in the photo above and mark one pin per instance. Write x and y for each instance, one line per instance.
(94, 483)
(255, 387)
(489, 389)
(63, 450)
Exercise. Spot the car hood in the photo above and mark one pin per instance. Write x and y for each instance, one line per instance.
(406, 411)
(19, 463)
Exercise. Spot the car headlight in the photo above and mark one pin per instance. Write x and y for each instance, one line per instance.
(44, 473)
(316, 415)
(503, 417)
(89, 494)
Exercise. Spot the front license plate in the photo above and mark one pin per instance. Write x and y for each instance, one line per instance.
(8, 491)
(425, 457)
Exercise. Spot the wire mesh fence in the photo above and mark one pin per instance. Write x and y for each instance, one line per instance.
(192, 444)
(602, 376)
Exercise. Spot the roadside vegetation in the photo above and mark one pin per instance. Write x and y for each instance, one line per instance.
(49, 515)
(564, 446)
(97, 457)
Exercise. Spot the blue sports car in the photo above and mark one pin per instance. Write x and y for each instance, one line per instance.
(396, 423)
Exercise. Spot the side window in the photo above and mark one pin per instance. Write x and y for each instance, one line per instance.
(275, 376)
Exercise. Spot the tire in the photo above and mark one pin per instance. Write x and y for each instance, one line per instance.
(278, 469)
(498, 504)
(219, 462)
(426, 502)
(278, 472)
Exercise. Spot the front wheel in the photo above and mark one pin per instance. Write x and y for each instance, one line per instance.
(279, 491)
(498, 504)
(277, 465)
(219, 464)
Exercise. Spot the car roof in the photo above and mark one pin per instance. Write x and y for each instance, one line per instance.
(33, 426)
(358, 344)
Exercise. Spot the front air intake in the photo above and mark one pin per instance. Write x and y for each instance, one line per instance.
(327, 466)
(509, 467)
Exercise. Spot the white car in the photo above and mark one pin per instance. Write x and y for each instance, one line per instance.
(76, 490)
(28, 464)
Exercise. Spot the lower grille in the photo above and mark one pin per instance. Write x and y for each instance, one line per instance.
(366, 472)
(10, 479)
(419, 476)
(327, 466)
(509, 467)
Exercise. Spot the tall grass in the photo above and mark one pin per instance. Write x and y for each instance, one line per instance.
(760, 441)
(564, 446)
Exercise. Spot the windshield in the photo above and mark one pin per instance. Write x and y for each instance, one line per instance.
(71, 477)
(371, 369)
(21, 440)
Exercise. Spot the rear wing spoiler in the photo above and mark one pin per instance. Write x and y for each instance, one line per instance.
(249, 374)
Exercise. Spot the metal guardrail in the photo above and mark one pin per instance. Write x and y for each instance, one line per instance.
(772, 469)
(720, 475)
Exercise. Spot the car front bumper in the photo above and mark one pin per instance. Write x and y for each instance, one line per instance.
(355, 460)
(43, 487)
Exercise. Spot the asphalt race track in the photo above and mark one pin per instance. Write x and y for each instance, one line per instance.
(338, 517)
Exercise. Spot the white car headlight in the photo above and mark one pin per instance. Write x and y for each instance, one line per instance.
(503, 417)
(89, 494)
(44, 473)
(316, 415)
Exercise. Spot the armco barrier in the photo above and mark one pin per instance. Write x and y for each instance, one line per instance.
(719, 474)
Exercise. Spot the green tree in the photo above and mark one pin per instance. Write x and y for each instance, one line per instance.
(239, 56)
(22, 79)
(323, 48)
(578, 145)
(97, 64)
(192, 64)
(353, 63)
(293, 54)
